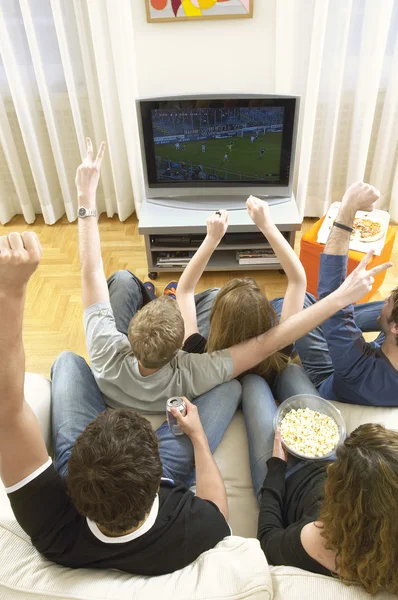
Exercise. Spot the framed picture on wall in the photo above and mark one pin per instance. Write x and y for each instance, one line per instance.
(189, 10)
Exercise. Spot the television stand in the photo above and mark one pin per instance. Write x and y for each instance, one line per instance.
(168, 229)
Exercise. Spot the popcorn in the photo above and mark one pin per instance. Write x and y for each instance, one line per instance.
(309, 432)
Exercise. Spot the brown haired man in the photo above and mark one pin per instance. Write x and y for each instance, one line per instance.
(336, 357)
(135, 350)
(113, 509)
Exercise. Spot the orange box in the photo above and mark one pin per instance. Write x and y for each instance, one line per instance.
(310, 252)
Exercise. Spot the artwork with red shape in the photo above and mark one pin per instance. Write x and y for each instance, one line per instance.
(175, 5)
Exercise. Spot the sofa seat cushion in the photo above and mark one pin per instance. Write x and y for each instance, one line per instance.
(236, 568)
(295, 584)
(355, 415)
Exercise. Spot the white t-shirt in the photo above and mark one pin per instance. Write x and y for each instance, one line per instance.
(116, 369)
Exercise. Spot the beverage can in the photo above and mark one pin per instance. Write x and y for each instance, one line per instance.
(179, 404)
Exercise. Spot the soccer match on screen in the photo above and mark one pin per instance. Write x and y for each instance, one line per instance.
(215, 144)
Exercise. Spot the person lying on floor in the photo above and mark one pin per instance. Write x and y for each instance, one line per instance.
(110, 501)
(337, 517)
(336, 357)
(241, 310)
(136, 357)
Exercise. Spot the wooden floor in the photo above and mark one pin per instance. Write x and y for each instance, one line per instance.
(53, 316)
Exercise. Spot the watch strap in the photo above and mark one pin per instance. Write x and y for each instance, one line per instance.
(341, 226)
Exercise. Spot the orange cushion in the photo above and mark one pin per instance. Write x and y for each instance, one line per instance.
(310, 252)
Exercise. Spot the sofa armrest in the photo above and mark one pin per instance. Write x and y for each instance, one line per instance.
(38, 396)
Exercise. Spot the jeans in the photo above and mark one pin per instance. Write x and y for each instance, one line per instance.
(259, 409)
(77, 400)
(126, 296)
(313, 349)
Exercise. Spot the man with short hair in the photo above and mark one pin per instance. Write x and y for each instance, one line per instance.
(336, 357)
(110, 504)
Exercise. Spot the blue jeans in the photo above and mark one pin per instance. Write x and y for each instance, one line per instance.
(77, 400)
(259, 408)
(313, 349)
(126, 296)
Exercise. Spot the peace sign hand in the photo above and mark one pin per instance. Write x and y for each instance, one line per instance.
(360, 281)
(87, 174)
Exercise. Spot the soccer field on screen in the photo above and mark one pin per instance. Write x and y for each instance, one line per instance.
(244, 160)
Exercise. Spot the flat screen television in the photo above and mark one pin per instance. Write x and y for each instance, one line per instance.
(213, 151)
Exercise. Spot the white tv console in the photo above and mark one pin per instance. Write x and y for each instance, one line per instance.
(172, 229)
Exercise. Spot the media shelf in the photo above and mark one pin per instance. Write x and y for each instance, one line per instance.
(167, 229)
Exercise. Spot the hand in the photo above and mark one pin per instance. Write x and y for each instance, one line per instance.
(258, 211)
(217, 225)
(360, 196)
(360, 281)
(20, 255)
(87, 175)
(191, 424)
(279, 450)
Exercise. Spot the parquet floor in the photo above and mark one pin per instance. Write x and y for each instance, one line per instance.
(53, 315)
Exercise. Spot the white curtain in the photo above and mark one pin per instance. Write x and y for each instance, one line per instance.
(66, 71)
(341, 56)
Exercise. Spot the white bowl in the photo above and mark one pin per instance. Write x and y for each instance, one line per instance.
(314, 403)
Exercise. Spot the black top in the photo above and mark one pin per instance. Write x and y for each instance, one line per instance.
(196, 344)
(287, 505)
(184, 526)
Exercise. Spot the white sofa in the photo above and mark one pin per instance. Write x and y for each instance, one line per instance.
(235, 569)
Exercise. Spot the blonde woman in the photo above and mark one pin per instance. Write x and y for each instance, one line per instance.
(241, 310)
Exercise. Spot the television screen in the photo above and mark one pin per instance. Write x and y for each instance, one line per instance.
(218, 142)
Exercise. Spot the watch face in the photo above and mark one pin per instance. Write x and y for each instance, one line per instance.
(81, 212)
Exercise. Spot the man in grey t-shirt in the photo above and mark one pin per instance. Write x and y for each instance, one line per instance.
(138, 362)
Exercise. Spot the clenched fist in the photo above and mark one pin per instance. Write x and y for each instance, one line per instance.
(361, 196)
(217, 226)
(20, 255)
(258, 211)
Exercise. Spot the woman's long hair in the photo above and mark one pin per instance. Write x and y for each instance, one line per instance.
(359, 514)
(241, 311)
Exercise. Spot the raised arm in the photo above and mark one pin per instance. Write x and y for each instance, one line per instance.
(94, 285)
(217, 225)
(22, 448)
(346, 343)
(250, 353)
(359, 196)
(209, 483)
(296, 279)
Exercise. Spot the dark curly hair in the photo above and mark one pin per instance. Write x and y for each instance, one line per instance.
(114, 471)
(359, 514)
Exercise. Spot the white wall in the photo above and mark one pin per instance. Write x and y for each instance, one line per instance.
(220, 56)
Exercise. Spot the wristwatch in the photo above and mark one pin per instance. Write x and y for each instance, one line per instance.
(84, 212)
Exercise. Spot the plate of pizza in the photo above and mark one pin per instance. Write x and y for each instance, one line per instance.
(369, 229)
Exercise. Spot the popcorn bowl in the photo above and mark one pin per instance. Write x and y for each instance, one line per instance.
(317, 404)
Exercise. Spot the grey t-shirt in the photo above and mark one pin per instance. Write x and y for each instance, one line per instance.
(117, 374)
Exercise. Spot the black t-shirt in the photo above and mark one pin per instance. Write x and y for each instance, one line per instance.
(183, 527)
(287, 505)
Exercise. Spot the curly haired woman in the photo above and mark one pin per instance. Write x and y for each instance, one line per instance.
(336, 518)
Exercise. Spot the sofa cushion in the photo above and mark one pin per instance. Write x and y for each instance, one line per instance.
(295, 584)
(355, 415)
(236, 569)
